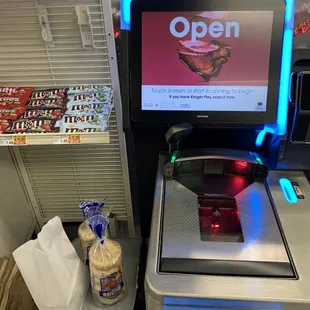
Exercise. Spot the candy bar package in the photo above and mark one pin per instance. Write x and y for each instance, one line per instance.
(31, 126)
(11, 114)
(105, 260)
(79, 128)
(88, 120)
(57, 93)
(88, 109)
(75, 129)
(46, 103)
(44, 114)
(89, 89)
(90, 98)
(14, 96)
(4, 124)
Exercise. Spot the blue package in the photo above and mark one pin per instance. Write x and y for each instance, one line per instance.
(88, 109)
(87, 120)
(78, 129)
(98, 224)
(90, 208)
(87, 98)
(89, 89)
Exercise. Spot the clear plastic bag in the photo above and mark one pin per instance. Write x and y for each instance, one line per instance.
(105, 259)
(89, 208)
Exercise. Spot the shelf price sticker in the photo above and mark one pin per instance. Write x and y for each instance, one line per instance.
(19, 140)
(13, 141)
(74, 139)
(67, 139)
(62, 139)
(6, 141)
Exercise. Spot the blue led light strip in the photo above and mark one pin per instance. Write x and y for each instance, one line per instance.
(260, 138)
(279, 128)
(125, 14)
(288, 190)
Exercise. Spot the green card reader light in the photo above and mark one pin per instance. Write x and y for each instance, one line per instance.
(173, 158)
(288, 190)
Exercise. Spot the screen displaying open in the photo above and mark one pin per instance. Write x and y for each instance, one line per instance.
(206, 61)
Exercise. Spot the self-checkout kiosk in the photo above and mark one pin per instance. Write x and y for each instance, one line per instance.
(229, 229)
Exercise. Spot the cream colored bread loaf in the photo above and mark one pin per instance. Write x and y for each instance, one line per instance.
(106, 256)
(106, 272)
(87, 238)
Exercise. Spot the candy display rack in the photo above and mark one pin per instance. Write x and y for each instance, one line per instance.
(56, 43)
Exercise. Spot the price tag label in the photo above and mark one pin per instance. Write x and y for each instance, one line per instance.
(62, 139)
(74, 139)
(19, 140)
(13, 141)
(6, 141)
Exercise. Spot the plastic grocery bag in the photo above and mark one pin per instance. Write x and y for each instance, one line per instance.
(56, 277)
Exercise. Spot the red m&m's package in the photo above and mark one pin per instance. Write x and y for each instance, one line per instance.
(46, 103)
(57, 93)
(14, 96)
(11, 114)
(43, 114)
(31, 126)
(4, 124)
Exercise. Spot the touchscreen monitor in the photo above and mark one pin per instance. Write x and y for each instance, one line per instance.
(215, 61)
(206, 60)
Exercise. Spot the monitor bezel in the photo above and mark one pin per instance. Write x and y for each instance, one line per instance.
(213, 117)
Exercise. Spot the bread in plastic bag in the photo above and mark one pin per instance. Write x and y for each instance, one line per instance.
(105, 260)
(89, 208)
(87, 238)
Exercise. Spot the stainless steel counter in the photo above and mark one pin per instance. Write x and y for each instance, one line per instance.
(174, 291)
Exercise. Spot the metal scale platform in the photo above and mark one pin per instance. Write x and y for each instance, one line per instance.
(268, 270)
(218, 220)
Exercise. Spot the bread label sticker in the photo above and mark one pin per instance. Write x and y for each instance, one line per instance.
(112, 285)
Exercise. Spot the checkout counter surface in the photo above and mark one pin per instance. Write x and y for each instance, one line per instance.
(163, 288)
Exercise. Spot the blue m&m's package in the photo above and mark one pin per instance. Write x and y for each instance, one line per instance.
(88, 109)
(86, 123)
(94, 120)
(77, 128)
(89, 89)
(90, 98)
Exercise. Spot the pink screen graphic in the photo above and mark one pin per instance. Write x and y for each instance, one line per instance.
(206, 61)
(247, 64)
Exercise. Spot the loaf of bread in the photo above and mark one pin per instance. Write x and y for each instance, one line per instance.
(106, 272)
(87, 238)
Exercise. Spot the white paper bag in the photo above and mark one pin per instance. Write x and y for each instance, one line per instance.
(56, 277)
